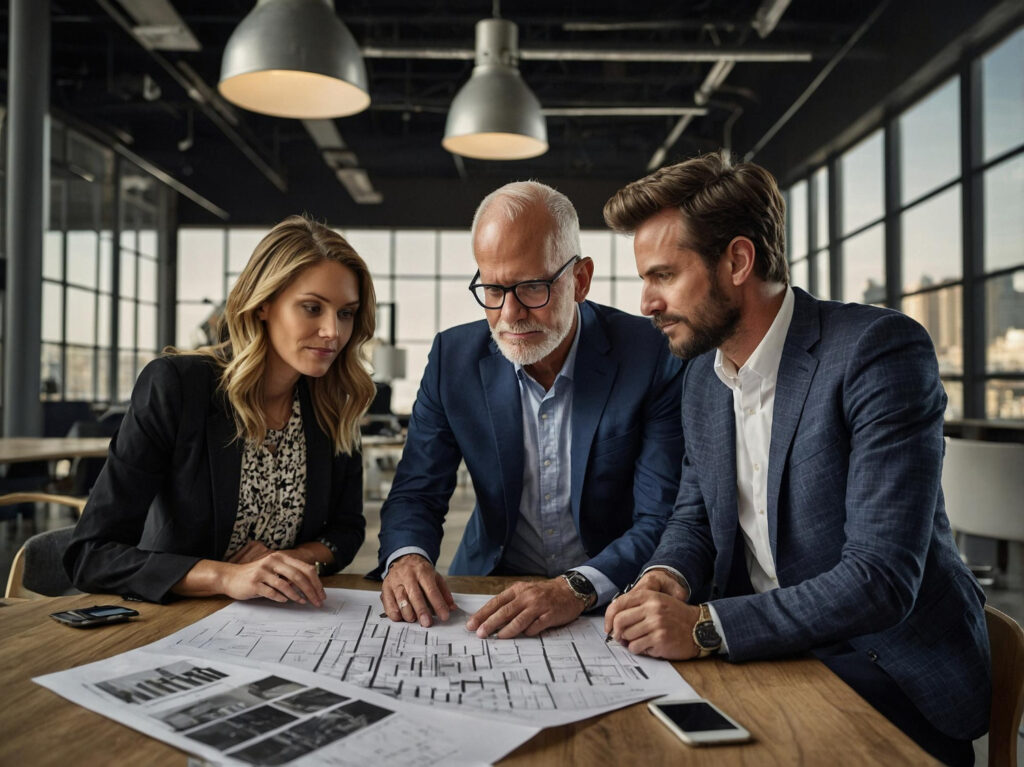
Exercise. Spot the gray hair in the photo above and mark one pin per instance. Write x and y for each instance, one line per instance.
(517, 197)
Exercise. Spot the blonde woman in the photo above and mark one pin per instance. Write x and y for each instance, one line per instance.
(236, 470)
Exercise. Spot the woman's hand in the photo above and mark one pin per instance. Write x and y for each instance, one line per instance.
(276, 575)
(250, 552)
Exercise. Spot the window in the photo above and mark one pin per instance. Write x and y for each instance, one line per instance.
(864, 267)
(1002, 113)
(420, 277)
(929, 135)
(862, 188)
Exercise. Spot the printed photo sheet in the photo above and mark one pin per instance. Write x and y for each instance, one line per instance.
(232, 714)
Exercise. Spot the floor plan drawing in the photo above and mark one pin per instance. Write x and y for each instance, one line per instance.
(563, 675)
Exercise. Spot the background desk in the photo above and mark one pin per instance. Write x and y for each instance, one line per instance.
(19, 449)
(797, 710)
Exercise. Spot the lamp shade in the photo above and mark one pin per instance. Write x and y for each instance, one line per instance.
(294, 58)
(495, 115)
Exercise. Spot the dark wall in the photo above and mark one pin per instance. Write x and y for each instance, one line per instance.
(408, 203)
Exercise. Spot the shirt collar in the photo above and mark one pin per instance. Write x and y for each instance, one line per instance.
(767, 357)
(570, 359)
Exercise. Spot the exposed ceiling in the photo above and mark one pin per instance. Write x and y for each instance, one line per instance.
(576, 56)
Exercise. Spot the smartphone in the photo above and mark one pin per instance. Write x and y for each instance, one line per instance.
(697, 722)
(97, 615)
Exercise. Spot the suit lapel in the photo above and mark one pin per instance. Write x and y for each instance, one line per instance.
(595, 373)
(504, 408)
(225, 471)
(721, 436)
(796, 371)
(319, 454)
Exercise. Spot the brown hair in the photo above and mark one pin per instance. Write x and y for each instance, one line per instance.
(718, 202)
(340, 396)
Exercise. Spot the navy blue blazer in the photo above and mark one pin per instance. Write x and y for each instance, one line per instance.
(857, 524)
(168, 493)
(625, 452)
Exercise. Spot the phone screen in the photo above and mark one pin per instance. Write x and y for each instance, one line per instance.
(695, 717)
(103, 612)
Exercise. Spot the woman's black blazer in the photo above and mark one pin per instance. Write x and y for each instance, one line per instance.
(168, 493)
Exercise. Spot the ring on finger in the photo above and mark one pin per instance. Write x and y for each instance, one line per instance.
(403, 604)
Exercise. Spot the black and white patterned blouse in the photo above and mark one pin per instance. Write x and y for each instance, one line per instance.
(272, 490)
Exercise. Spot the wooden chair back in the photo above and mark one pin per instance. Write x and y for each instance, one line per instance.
(1006, 640)
(16, 587)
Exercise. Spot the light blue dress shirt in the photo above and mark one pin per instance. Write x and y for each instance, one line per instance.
(546, 540)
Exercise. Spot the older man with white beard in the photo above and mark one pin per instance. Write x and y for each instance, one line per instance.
(567, 414)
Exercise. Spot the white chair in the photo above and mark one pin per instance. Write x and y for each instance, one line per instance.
(983, 483)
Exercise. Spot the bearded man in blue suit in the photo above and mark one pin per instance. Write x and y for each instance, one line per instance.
(566, 413)
(809, 514)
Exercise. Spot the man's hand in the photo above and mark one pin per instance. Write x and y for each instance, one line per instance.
(414, 591)
(654, 623)
(664, 582)
(527, 608)
(276, 576)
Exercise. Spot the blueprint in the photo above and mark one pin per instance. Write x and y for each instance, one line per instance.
(564, 675)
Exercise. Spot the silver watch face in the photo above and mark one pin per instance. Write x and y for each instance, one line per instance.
(581, 584)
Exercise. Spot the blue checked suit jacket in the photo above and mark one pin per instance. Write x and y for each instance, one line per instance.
(625, 452)
(857, 524)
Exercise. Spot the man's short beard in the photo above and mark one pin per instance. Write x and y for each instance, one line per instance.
(527, 354)
(712, 325)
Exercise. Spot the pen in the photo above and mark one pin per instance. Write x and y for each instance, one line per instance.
(618, 594)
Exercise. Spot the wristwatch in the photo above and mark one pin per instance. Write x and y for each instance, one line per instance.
(581, 587)
(325, 568)
(705, 635)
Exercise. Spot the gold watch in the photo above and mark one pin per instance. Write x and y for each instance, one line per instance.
(705, 635)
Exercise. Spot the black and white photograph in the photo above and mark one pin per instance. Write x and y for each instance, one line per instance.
(228, 703)
(312, 734)
(161, 682)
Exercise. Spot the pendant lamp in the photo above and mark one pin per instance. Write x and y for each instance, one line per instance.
(294, 58)
(495, 115)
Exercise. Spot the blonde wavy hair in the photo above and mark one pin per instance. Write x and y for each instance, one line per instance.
(342, 395)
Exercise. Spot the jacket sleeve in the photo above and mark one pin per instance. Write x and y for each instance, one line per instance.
(104, 554)
(346, 526)
(893, 406)
(414, 512)
(655, 475)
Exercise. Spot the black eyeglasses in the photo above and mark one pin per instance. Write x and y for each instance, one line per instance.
(532, 294)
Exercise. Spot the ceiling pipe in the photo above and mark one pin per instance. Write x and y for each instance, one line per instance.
(622, 111)
(206, 100)
(817, 81)
(765, 20)
(592, 54)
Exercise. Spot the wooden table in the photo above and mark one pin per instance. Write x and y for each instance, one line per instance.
(18, 449)
(797, 710)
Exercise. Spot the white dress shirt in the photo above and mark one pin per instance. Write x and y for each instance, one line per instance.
(753, 403)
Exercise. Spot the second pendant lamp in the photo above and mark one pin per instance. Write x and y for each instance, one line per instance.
(495, 115)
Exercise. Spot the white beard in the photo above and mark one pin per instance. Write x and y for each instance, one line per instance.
(527, 353)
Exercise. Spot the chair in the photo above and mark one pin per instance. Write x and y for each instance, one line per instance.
(37, 569)
(983, 483)
(1006, 640)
